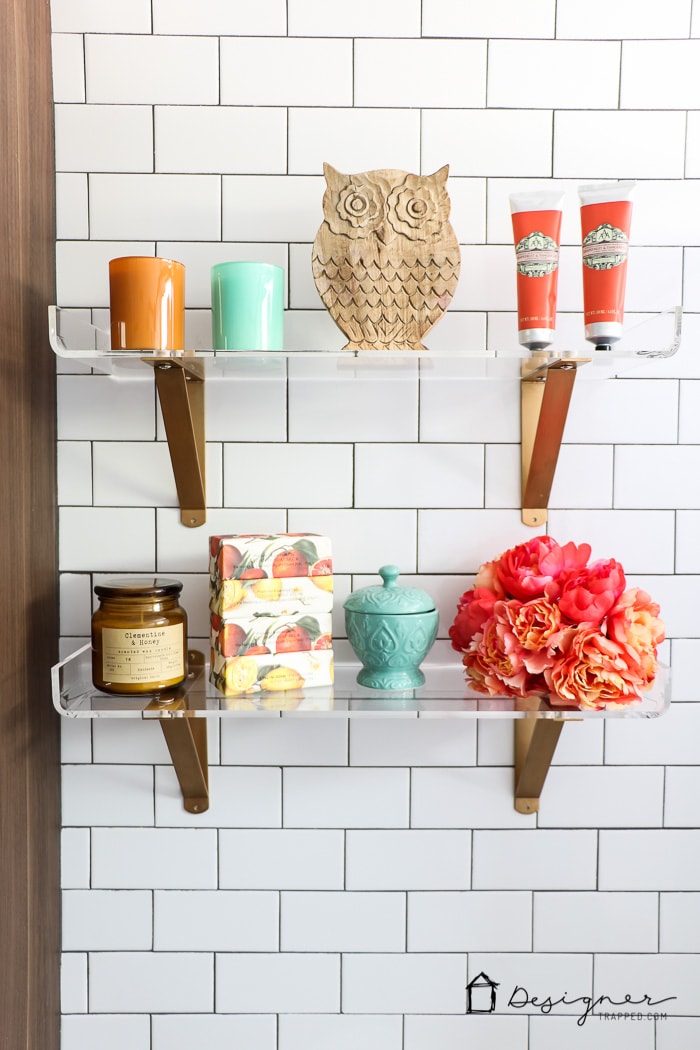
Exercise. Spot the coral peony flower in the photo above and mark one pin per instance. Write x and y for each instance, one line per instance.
(634, 622)
(487, 577)
(495, 661)
(533, 625)
(588, 597)
(533, 569)
(473, 610)
(593, 671)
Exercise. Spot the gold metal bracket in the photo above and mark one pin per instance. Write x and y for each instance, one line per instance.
(535, 743)
(545, 392)
(186, 738)
(180, 386)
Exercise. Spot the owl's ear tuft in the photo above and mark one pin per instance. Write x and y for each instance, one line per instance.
(332, 175)
(440, 176)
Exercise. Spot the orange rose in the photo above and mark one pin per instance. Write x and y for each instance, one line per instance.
(593, 671)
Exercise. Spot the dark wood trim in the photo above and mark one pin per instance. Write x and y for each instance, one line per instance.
(29, 728)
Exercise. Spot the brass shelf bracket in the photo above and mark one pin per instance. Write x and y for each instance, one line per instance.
(535, 742)
(545, 392)
(180, 386)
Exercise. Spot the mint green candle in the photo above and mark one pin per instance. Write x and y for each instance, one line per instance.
(247, 306)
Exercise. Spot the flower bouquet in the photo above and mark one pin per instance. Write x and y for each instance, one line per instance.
(542, 621)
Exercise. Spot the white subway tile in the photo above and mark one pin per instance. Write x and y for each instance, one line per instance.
(341, 1031)
(187, 550)
(283, 71)
(408, 860)
(319, 18)
(582, 743)
(672, 200)
(74, 472)
(539, 860)
(95, 407)
(74, 983)
(247, 410)
(228, 139)
(603, 412)
(692, 156)
(649, 860)
(324, 406)
(82, 269)
(677, 596)
(678, 1033)
(659, 976)
(107, 538)
(627, 135)
(239, 798)
(281, 859)
(489, 142)
(415, 475)
(67, 67)
(462, 540)
(107, 795)
(427, 984)
(532, 18)
(624, 19)
(452, 73)
(215, 920)
(214, 1031)
(284, 742)
(75, 603)
(312, 330)
(655, 279)
(567, 84)
(674, 470)
(159, 858)
(108, 1031)
(76, 740)
(468, 200)
(219, 18)
(82, 16)
(595, 922)
(303, 294)
(75, 858)
(103, 138)
(680, 800)
(343, 922)
(131, 474)
(162, 207)
(412, 742)
(689, 432)
(109, 920)
(519, 975)
(674, 84)
(353, 140)
(271, 207)
(598, 1033)
(458, 328)
(472, 921)
(595, 797)
(493, 408)
(465, 798)
(684, 660)
(669, 740)
(248, 469)
(363, 539)
(149, 69)
(288, 982)
(124, 740)
(454, 1033)
(679, 922)
(642, 540)
(490, 283)
(71, 206)
(345, 797)
(151, 982)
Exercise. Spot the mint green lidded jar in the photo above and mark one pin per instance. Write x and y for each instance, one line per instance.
(391, 629)
(247, 306)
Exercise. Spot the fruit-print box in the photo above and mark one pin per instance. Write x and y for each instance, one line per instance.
(270, 673)
(271, 632)
(264, 555)
(230, 599)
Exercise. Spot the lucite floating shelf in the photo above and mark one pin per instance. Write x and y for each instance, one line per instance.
(73, 338)
(444, 693)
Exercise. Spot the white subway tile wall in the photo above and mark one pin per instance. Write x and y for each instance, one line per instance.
(360, 883)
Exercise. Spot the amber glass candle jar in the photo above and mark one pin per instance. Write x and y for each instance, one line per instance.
(139, 636)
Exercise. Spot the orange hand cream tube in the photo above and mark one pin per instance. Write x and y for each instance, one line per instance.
(606, 215)
(536, 232)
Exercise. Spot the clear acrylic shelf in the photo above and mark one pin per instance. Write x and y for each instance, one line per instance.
(444, 692)
(73, 338)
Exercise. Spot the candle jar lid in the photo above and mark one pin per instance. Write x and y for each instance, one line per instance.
(389, 597)
(139, 587)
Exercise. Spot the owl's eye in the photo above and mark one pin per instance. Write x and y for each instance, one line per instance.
(417, 208)
(359, 206)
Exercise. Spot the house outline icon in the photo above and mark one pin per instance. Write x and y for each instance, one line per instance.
(484, 989)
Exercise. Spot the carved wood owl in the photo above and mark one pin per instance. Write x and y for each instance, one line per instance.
(386, 259)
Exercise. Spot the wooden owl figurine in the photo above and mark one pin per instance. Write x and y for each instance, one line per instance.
(386, 259)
